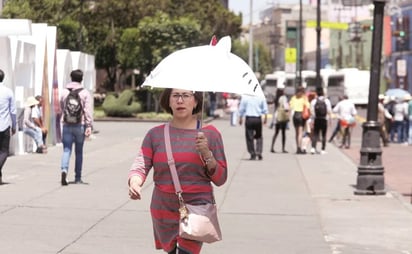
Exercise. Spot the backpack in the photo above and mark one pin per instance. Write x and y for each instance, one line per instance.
(73, 108)
(320, 108)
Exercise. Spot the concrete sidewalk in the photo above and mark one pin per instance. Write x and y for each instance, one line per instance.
(283, 204)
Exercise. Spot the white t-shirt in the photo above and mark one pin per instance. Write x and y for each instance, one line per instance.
(36, 112)
(345, 109)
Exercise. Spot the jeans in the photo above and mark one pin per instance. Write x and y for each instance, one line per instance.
(253, 130)
(320, 127)
(35, 134)
(397, 128)
(73, 133)
(4, 146)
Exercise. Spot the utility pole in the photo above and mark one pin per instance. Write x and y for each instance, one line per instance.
(300, 55)
(251, 36)
(318, 50)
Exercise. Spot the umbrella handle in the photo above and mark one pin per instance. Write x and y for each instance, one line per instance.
(203, 111)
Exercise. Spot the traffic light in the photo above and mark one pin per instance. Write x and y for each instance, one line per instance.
(366, 28)
(399, 33)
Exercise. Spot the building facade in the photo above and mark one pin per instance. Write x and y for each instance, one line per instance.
(279, 32)
(398, 56)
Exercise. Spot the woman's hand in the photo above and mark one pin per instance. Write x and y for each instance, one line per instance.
(201, 145)
(135, 187)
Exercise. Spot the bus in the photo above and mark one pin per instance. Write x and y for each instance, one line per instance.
(289, 80)
(351, 82)
(271, 82)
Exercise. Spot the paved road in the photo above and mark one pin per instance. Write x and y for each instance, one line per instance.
(283, 204)
(396, 160)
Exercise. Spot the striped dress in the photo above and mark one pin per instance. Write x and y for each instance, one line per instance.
(193, 176)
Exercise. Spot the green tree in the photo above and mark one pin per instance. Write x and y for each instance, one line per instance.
(261, 56)
(161, 35)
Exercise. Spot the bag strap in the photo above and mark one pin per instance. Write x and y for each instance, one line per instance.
(171, 161)
(172, 165)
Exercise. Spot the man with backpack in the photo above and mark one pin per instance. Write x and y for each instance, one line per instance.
(321, 109)
(77, 120)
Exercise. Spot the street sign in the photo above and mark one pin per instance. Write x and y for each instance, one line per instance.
(326, 24)
(290, 67)
(290, 55)
(401, 67)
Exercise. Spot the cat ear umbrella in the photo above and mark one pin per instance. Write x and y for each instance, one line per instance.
(208, 68)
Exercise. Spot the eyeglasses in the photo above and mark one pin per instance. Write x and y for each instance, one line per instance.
(183, 96)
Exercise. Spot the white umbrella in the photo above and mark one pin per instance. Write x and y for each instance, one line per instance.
(397, 92)
(207, 69)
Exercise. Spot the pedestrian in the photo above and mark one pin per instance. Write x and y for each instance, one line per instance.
(200, 161)
(390, 106)
(75, 127)
(7, 121)
(410, 121)
(337, 126)
(383, 114)
(399, 115)
(321, 111)
(253, 108)
(30, 128)
(346, 113)
(37, 115)
(307, 135)
(405, 132)
(281, 117)
(297, 104)
(212, 104)
(232, 104)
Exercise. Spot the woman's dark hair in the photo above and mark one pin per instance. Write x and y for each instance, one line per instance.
(1, 76)
(165, 101)
(279, 93)
(300, 91)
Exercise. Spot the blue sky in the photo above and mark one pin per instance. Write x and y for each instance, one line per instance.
(258, 5)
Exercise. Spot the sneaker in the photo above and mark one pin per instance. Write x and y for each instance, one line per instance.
(312, 150)
(64, 180)
(323, 152)
(79, 182)
(259, 156)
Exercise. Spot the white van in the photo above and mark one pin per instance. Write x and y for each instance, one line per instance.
(308, 81)
(352, 82)
(270, 84)
(271, 81)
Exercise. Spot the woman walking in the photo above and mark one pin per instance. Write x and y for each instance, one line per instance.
(199, 159)
(281, 117)
(297, 104)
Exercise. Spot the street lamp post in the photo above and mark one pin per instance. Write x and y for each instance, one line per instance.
(318, 49)
(300, 55)
(370, 179)
(251, 36)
